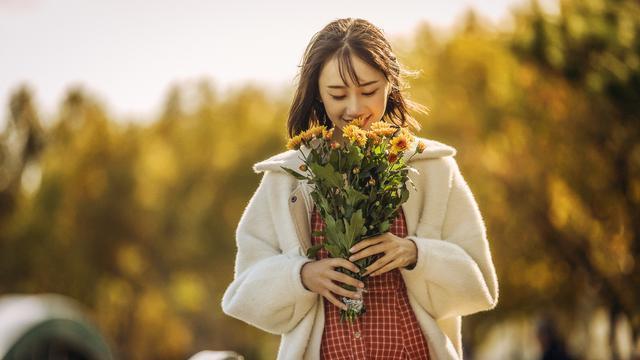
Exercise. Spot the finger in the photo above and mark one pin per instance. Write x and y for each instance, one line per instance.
(339, 262)
(390, 266)
(329, 296)
(371, 250)
(378, 264)
(338, 290)
(366, 243)
(346, 279)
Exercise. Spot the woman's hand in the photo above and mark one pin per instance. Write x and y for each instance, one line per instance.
(398, 252)
(319, 276)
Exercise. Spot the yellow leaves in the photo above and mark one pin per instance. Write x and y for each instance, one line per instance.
(114, 298)
(607, 244)
(157, 170)
(130, 261)
(188, 291)
(565, 205)
(160, 329)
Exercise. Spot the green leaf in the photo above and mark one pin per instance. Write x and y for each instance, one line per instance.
(354, 196)
(384, 226)
(333, 232)
(328, 174)
(333, 249)
(405, 195)
(294, 173)
(353, 228)
(312, 251)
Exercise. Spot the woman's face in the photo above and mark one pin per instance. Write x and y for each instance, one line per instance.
(345, 102)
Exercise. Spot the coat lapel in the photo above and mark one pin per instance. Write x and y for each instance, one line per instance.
(298, 206)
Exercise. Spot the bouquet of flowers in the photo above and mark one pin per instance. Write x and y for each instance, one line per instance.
(358, 187)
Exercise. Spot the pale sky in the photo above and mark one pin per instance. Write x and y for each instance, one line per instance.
(128, 52)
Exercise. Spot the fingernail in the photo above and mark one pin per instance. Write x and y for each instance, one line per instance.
(351, 258)
(351, 250)
(361, 285)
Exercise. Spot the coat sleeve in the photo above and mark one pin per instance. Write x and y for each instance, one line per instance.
(266, 290)
(454, 275)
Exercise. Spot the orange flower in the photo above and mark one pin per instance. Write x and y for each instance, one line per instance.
(309, 134)
(421, 146)
(399, 143)
(327, 134)
(382, 128)
(375, 138)
(294, 142)
(392, 157)
(355, 134)
(408, 135)
(359, 121)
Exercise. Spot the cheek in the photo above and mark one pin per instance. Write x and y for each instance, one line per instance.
(334, 112)
(380, 103)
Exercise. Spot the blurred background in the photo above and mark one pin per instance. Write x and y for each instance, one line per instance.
(128, 134)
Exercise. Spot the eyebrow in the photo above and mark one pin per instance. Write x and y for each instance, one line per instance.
(342, 86)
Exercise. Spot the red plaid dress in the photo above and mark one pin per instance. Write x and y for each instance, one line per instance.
(388, 329)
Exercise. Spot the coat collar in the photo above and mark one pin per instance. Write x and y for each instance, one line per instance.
(292, 158)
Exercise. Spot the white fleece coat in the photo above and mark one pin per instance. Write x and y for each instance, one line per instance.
(454, 274)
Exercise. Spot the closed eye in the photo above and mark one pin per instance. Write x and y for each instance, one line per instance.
(365, 94)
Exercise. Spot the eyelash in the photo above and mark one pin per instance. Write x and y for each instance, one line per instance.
(342, 97)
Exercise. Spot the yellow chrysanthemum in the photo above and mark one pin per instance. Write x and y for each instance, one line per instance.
(327, 134)
(408, 135)
(355, 134)
(309, 134)
(421, 146)
(399, 143)
(375, 138)
(382, 128)
(359, 121)
(294, 142)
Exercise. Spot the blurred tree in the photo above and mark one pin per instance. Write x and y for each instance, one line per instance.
(20, 143)
(592, 214)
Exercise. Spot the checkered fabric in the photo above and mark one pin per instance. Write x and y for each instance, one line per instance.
(388, 329)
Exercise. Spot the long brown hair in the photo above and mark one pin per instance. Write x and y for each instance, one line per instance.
(342, 38)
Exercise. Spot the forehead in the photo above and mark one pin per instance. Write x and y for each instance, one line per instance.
(330, 73)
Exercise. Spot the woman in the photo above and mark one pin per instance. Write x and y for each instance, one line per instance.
(433, 267)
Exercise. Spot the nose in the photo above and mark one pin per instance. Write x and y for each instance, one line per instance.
(354, 109)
